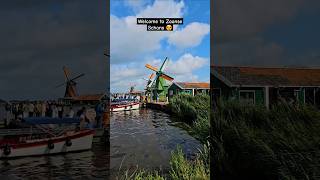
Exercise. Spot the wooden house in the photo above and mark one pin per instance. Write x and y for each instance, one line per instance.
(188, 88)
(266, 86)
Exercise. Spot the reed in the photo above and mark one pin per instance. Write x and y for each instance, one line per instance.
(251, 142)
(194, 111)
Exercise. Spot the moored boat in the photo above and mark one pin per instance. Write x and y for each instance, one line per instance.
(68, 142)
(41, 140)
(124, 106)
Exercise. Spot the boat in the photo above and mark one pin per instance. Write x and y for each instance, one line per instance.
(41, 140)
(124, 106)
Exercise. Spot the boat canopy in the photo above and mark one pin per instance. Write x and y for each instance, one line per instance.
(48, 120)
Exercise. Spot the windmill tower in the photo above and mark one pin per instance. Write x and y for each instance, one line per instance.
(159, 86)
(70, 83)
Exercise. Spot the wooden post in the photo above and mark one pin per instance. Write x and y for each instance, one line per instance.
(314, 96)
(266, 95)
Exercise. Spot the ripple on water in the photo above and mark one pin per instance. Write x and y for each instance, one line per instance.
(146, 138)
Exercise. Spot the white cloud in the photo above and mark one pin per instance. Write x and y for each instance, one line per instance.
(190, 36)
(186, 64)
(129, 40)
(119, 73)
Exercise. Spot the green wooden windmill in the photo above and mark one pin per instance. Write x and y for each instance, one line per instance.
(159, 86)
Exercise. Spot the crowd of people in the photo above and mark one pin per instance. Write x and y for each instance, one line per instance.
(52, 109)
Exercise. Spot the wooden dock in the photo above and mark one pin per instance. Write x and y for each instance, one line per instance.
(162, 106)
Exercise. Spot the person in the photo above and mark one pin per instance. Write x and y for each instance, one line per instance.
(43, 109)
(54, 111)
(71, 113)
(38, 109)
(60, 110)
(25, 110)
(20, 111)
(99, 112)
(8, 114)
(31, 109)
(15, 110)
(49, 110)
(82, 115)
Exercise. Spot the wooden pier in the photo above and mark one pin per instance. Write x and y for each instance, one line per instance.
(162, 106)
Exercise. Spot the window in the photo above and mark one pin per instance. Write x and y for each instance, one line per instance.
(247, 97)
(170, 92)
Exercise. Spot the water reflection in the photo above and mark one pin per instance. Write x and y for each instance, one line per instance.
(145, 138)
(82, 165)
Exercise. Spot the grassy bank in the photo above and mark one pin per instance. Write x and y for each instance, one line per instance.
(194, 111)
(181, 168)
(250, 142)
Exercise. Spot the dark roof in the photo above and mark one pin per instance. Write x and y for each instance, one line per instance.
(193, 85)
(258, 76)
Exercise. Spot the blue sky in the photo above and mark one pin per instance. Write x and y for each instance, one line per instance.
(188, 46)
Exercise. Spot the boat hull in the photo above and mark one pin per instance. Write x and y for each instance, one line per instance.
(125, 107)
(78, 141)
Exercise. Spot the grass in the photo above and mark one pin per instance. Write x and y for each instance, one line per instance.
(194, 111)
(181, 168)
(250, 142)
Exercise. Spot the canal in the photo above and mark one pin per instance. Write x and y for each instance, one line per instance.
(145, 138)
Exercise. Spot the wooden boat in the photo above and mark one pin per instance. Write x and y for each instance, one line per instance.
(43, 141)
(124, 106)
(72, 141)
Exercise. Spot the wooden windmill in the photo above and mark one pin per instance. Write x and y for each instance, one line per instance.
(70, 83)
(159, 86)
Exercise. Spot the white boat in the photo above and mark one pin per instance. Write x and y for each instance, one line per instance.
(68, 142)
(126, 106)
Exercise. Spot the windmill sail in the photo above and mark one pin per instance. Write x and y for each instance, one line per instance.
(70, 83)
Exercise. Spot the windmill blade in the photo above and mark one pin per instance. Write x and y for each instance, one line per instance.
(77, 77)
(60, 85)
(166, 77)
(151, 76)
(164, 64)
(153, 80)
(66, 72)
(151, 67)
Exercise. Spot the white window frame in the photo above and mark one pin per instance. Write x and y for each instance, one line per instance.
(249, 91)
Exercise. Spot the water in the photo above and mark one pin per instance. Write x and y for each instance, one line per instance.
(82, 165)
(145, 138)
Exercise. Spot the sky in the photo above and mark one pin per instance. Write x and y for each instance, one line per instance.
(39, 37)
(268, 33)
(187, 46)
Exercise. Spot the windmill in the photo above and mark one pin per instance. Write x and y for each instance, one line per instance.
(70, 83)
(158, 86)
